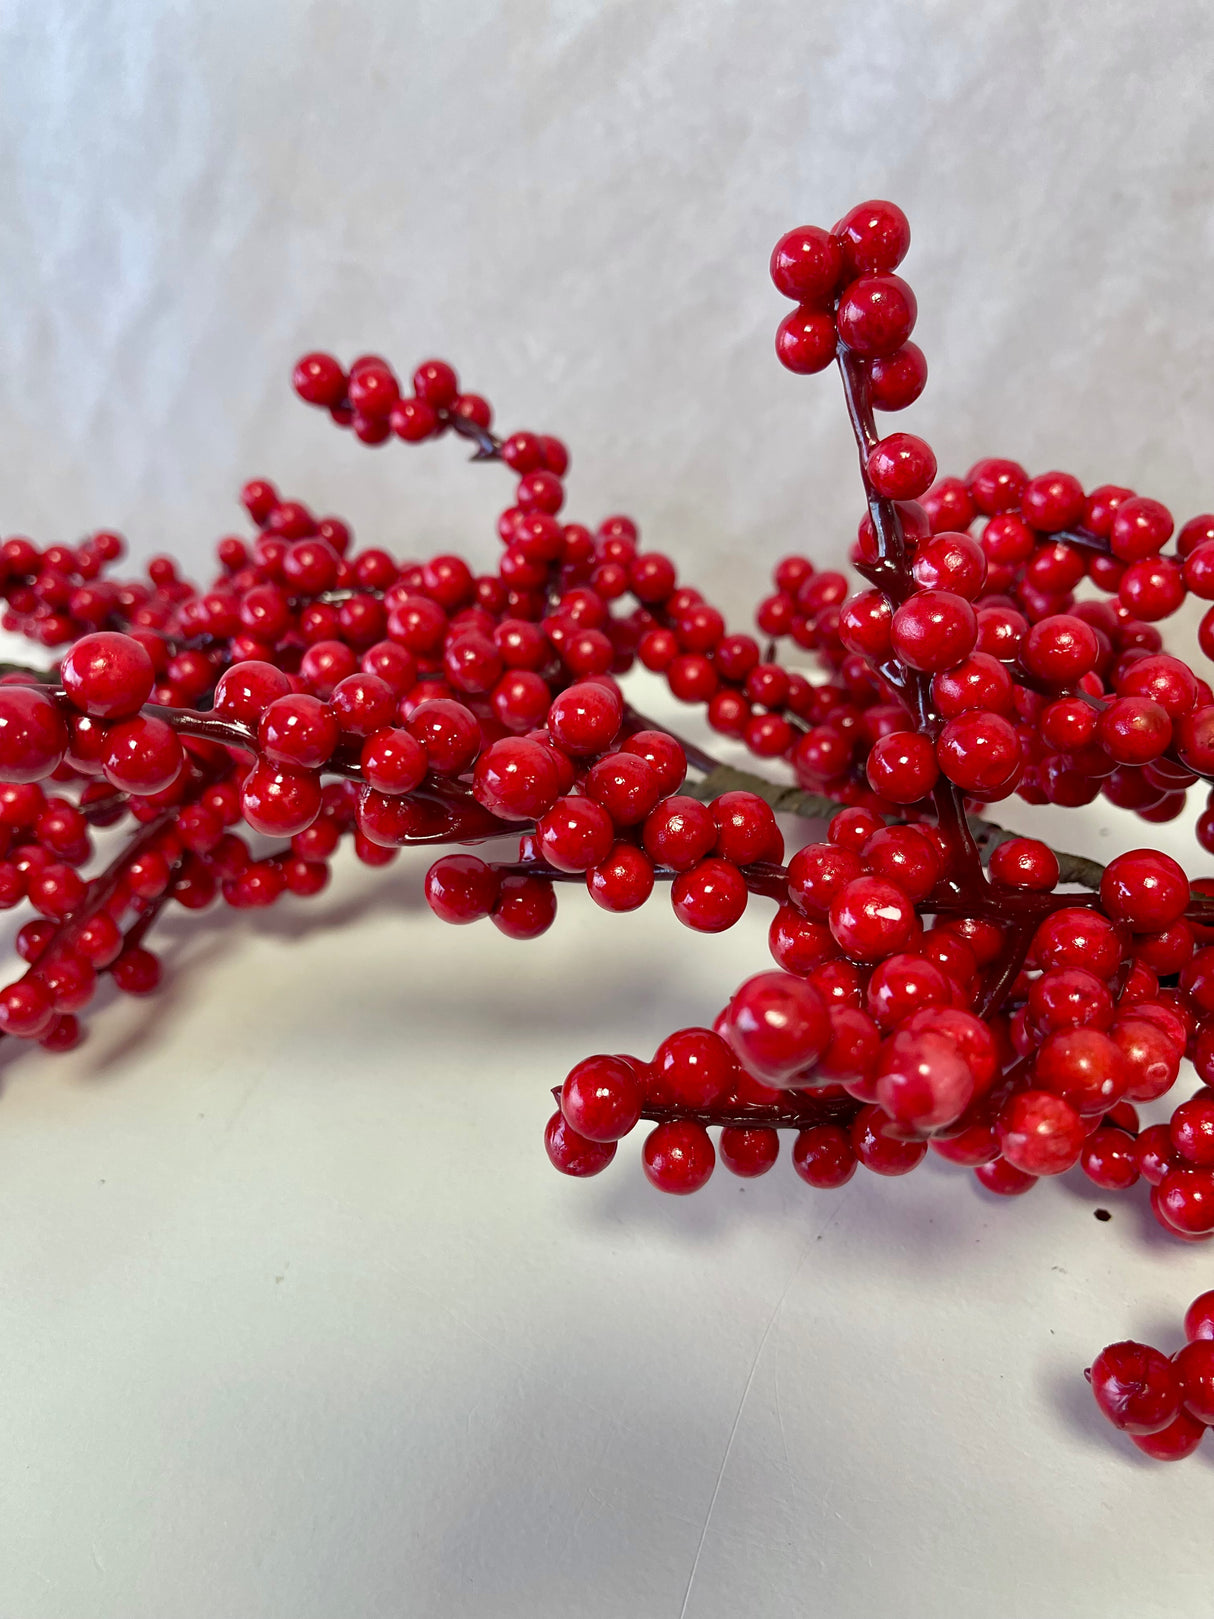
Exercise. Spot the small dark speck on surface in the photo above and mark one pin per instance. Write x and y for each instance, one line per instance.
(1102, 1214)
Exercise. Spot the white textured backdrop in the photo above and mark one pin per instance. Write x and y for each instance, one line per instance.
(296, 1321)
(575, 203)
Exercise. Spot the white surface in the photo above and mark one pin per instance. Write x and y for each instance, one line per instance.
(297, 1322)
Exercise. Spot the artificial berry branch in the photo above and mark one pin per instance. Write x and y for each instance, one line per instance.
(938, 984)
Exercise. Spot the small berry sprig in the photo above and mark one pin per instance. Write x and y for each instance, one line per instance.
(940, 984)
(1164, 1404)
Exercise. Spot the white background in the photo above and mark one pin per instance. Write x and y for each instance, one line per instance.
(296, 1320)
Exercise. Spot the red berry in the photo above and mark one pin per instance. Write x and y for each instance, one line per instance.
(460, 888)
(874, 236)
(981, 753)
(143, 755)
(778, 1026)
(279, 801)
(572, 1153)
(525, 908)
(1145, 889)
(298, 731)
(26, 1008)
(933, 630)
(679, 833)
(108, 675)
(1025, 863)
(1003, 1178)
(805, 340)
(823, 1156)
(33, 737)
(1180, 1438)
(623, 881)
(1136, 1387)
(902, 767)
(1140, 528)
(695, 1067)
(318, 379)
(516, 779)
(896, 380)
(923, 1082)
(901, 467)
(392, 761)
(1110, 1159)
(1199, 1318)
(1194, 1366)
(876, 315)
(575, 834)
(871, 919)
(1184, 1201)
(710, 897)
(879, 1148)
(601, 1099)
(806, 264)
(586, 718)
(748, 1152)
(678, 1157)
(1040, 1133)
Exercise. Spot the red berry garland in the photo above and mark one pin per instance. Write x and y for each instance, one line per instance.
(937, 981)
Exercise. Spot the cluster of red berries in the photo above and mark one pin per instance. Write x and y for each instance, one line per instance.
(1165, 1405)
(937, 983)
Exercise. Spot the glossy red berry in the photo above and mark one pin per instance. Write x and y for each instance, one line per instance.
(710, 897)
(460, 888)
(876, 315)
(695, 1067)
(871, 918)
(1040, 1133)
(143, 755)
(874, 236)
(824, 1157)
(748, 1152)
(572, 1153)
(33, 737)
(108, 675)
(1145, 889)
(778, 1026)
(901, 467)
(318, 379)
(1135, 1386)
(880, 1145)
(981, 753)
(678, 1157)
(805, 340)
(575, 834)
(516, 779)
(1025, 863)
(1180, 1438)
(806, 264)
(601, 1099)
